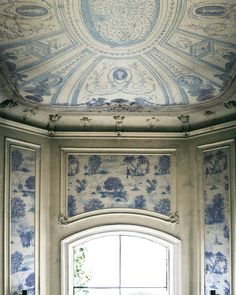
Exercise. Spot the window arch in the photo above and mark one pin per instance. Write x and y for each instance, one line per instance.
(121, 260)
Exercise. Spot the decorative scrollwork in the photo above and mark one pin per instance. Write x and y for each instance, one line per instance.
(8, 104)
(174, 218)
(120, 22)
(28, 113)
(64, 220)
(231, 104)
(85, 121)
(152, 122)
(210, 114)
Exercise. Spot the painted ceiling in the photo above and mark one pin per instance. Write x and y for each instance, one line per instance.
(136, 57)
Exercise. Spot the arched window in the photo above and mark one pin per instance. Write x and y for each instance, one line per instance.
(121, 260)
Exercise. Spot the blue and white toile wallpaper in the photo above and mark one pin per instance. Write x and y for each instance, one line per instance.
(217, 221)
(22, 220)
(118, 181)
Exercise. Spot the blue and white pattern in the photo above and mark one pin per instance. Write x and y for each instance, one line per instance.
(120, 22)
(217, 221)
(22, 218)
(118, 181)
(97, 55)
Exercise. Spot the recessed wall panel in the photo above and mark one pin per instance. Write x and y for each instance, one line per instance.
(217, 225)
(100, 181)
(22, 200)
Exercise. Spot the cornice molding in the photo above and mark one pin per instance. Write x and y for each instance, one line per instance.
(98, 134)
(23, 127)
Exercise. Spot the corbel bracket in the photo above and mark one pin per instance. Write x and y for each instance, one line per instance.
(119, 124)
(53, 119)
(185, 119)
(85, 121)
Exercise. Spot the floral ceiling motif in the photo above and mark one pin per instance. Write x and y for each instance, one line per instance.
(90, 55)
(117, 23)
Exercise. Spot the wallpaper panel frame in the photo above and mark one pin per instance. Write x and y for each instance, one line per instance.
(99, 156)
(213, 266)
(33, 183)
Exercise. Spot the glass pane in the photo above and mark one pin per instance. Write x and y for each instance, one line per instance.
(96, 291)
(99, 264)
(143, 263)
(143, 291)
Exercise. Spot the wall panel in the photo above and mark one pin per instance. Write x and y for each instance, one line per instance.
(21, 217)
(93, 182)
(217, 209)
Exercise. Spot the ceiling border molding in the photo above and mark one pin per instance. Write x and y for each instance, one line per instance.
(87, 134)
(23, 127)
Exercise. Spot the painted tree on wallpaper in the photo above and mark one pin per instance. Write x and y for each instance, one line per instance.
(22, 219)
(217, 221)
(118, 181)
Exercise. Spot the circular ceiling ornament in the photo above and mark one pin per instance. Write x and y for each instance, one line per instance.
(119, 27)
(120, 22)
(120, 74)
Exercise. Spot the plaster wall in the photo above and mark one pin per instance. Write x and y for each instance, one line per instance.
(188, 196)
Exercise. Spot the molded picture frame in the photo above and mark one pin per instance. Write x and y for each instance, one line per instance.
(100, 181)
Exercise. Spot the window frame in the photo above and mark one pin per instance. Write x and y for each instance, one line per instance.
(172, 243)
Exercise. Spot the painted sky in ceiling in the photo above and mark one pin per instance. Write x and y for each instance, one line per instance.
(94, 54)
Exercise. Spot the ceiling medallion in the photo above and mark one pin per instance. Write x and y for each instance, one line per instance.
(120, 23)
(119, 27)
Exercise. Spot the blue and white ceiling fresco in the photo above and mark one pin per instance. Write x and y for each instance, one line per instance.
(90, 55)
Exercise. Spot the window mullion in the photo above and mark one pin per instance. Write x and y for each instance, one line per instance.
(136, 254)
